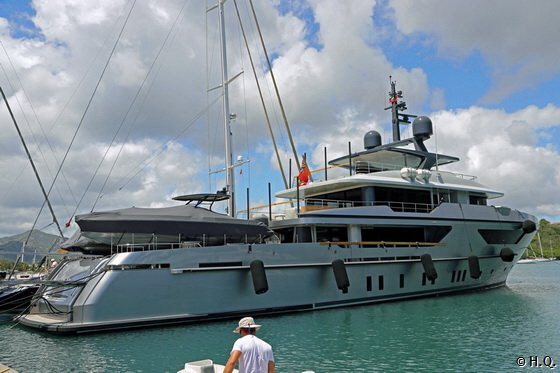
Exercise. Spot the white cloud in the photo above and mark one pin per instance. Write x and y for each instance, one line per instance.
(517, 38)
(333, 94)
(499, 148)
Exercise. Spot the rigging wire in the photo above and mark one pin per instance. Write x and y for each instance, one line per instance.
(91, 98)
(261, 96)
(135, 120)
(40, 126)
(98, 53)
(36, 142)
(164, 146)
(276, 122)
(38, 179)
(129, 110)
(54, 123)
(275, 86)
(244, 87)
(73, 94)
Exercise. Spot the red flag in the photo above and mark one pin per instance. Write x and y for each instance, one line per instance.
(304, 175)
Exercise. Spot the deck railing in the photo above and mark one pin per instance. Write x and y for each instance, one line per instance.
(314, 204)
(131, 247)
(320, 204)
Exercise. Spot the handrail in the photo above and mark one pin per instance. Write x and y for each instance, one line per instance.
(334, 203)
(404, 206)
(383, 243)
(328, 204)
(130, 247)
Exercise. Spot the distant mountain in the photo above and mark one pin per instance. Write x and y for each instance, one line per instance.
(39, 243)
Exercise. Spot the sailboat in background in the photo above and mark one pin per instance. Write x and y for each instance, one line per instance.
(535, 258)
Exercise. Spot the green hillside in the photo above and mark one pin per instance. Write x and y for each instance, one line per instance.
(550, 238)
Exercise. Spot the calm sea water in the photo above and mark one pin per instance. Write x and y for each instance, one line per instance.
(476, 332)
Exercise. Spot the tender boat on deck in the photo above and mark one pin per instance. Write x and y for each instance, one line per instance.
(140, 228)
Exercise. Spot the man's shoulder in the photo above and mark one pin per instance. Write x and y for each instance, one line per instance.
(237, 344)
(264, 343)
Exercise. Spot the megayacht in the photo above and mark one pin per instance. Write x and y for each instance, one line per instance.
(393, 226)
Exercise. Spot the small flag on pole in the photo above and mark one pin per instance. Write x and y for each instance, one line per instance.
(304, 175)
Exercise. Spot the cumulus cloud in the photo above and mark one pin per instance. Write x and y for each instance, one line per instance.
(517, 38)
(500, 148)
(333, 81)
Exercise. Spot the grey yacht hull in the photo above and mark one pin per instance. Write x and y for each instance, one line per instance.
(172, 286)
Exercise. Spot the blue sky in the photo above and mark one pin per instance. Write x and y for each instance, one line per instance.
(19, 13)
(493, 89)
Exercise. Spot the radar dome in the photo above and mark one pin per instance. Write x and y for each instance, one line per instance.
(372, 139)
(422, 127)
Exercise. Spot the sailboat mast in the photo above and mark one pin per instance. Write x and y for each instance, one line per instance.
(45, 194)
(230, 182)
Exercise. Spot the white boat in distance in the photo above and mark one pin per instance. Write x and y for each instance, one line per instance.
(395, 227)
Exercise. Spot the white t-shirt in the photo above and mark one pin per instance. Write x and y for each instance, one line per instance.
(255, 354)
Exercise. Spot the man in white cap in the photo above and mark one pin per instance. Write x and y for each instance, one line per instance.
(254, 354)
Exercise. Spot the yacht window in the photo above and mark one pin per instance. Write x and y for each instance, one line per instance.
(286, 235)
(475, 199)
(344, 198)
(447, 196)
(331, 234)
(442, 196)
(303, 234)
(404, 200)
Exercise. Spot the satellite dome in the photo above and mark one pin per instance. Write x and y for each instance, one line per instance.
(422, 127)
(372, 139)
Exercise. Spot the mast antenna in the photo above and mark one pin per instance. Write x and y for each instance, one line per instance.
(397, 118)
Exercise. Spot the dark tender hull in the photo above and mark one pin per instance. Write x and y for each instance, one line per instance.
(16, 298)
